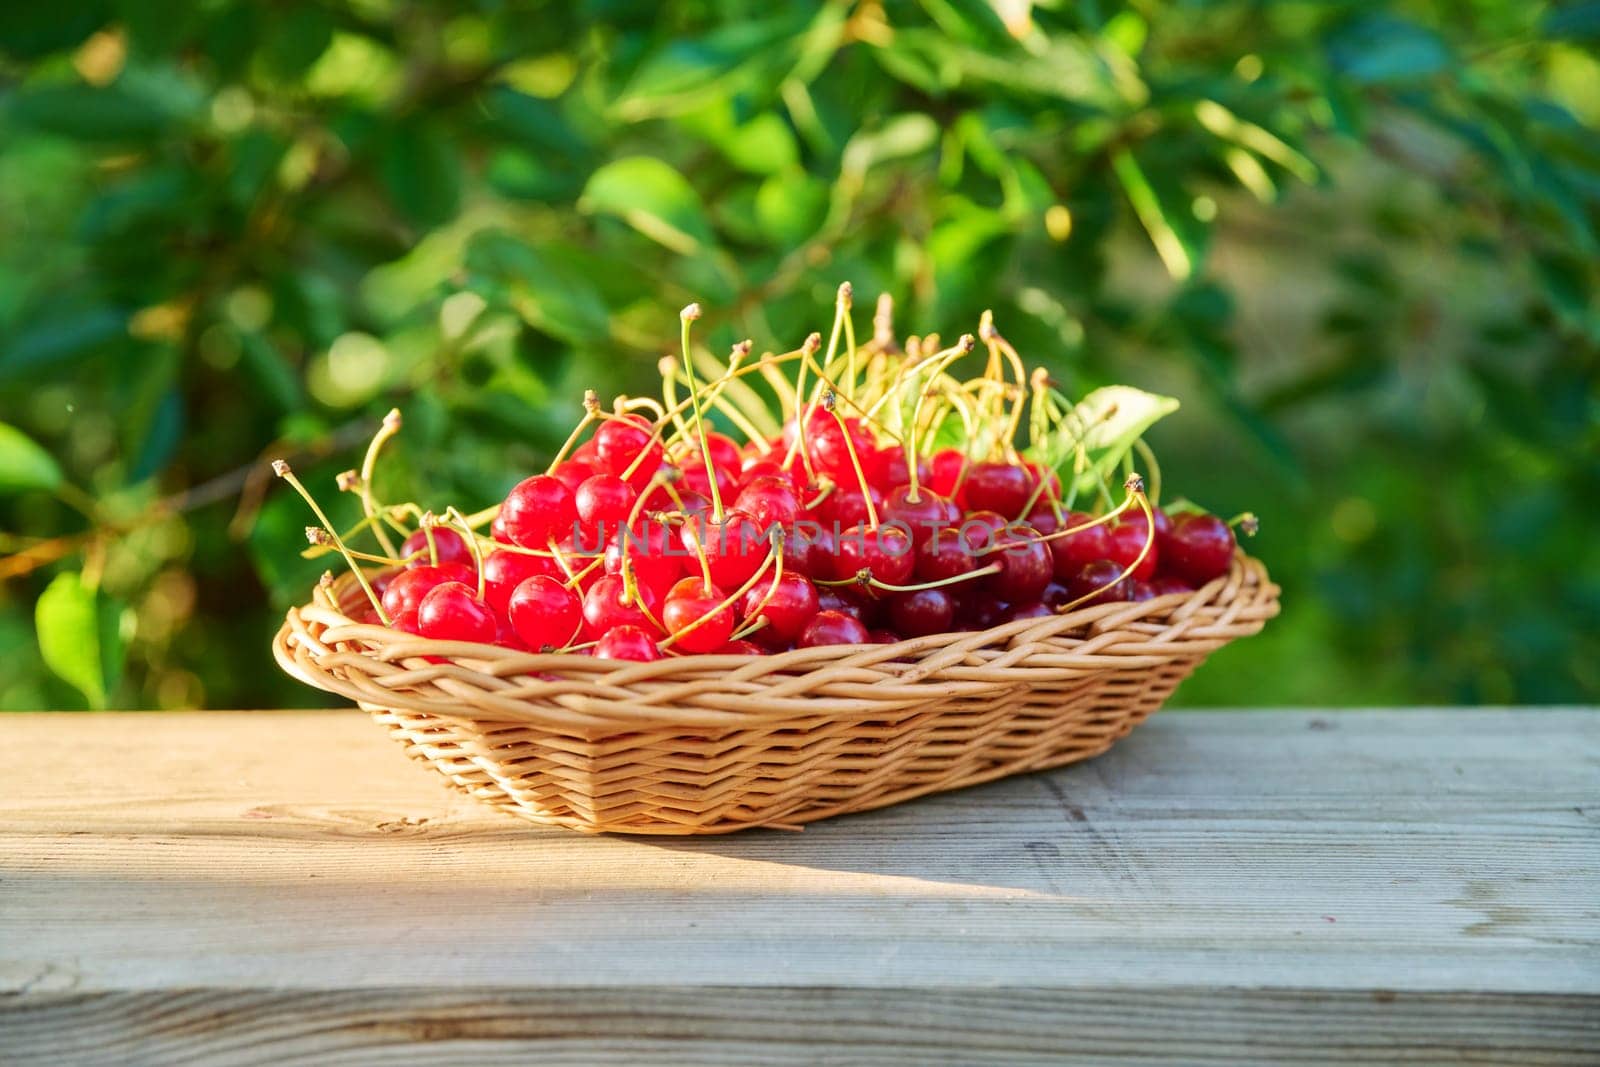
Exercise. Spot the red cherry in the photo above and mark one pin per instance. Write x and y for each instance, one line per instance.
(926, 611)
(1167, 586)
(451, 547)
(993, 521)
(628, 643)
(653, 553)
(1074, 550)
(944, 472)
(450, 612)
(691, 503)
(604, 607)
(407, 622)
(922, 514)
(497, 530)
(896, 471)
(405, 590)
(770, 501)
(759, 466)
(689, 604)
(833, 628)
(946, 555)
(503, 571)
(846, 505)
(734, 549)
(695, 480)
(1127, 540)
(604, 499)
(884, 552)
(998, 487)
(1025, 564)
(545, 613)
(847, 602)
(619, 442)
(724, 452)
(882, 637)
(740, 648)
(810, 550)
(573, 473)
(980, 610)
(1202, 548)
(538, 509)
(1032, 609)
(1138, 591)
(1099, 583)
(792, 604)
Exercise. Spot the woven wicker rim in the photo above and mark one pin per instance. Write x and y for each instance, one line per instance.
(322, 646)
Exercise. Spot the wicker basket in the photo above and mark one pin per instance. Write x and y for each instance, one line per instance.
(710, 744)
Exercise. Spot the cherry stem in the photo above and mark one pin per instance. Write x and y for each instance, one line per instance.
(369, 463)
(427, 535)
(855, 461)
(1135, 487)
(803, 409)
(772, 589)
(685, 317)
(962, 347)
(979, 572)
(457, 519)
(1246, 522)
(591, 406)
(281, 469)
(846, 303)
(321, 540)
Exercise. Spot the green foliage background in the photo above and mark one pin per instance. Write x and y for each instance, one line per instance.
(1358, 240)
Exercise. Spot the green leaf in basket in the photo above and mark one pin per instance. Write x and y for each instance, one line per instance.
(1106, 423)
(23, 464)
(79, 636)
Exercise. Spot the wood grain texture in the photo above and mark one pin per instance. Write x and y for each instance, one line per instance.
(1239, 887)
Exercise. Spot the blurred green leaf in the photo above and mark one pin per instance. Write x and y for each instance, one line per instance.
(1576, 21)
(653, 198)
(546, 287)
(23, 464)
(91, 114)
(422, 171)
(60, 336)
(29, 31)
(79, 636)
(1383, 48)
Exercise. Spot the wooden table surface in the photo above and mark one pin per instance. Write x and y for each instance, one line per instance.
(1222, 887)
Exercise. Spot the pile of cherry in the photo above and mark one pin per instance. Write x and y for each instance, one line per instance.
(625, 552)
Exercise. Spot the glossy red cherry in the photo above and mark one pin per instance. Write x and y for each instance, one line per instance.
(846, 506)
(809, 550)
(833, 628)
(922, 513)
(944, 472)
(946, 555)
(979, 610)
(607, 606)
(604, 500)
(1099, 582)
(998, 487)
(845, 602)
(405, 590)
(740, 648)
(724, 451)
(450, 546)
(545, 613)
(451, 612)
(926, 611)
(1025, 564)
(735, 549)
(1073, 550)
(693, 615)
(628, 643)
(695, 480)
(790, 606)
(653, 553)
(619, 441)
(1202, 548)
(883, 552)
(770, 501)
(1030, 609)
(538, 509)
(573, 473)
(1166, 585)
(503, 571)
(406, 621)
(1125, 541)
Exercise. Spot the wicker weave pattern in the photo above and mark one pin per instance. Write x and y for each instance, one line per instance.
(710, 744)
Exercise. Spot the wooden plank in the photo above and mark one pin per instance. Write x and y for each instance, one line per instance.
(1286, 887)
